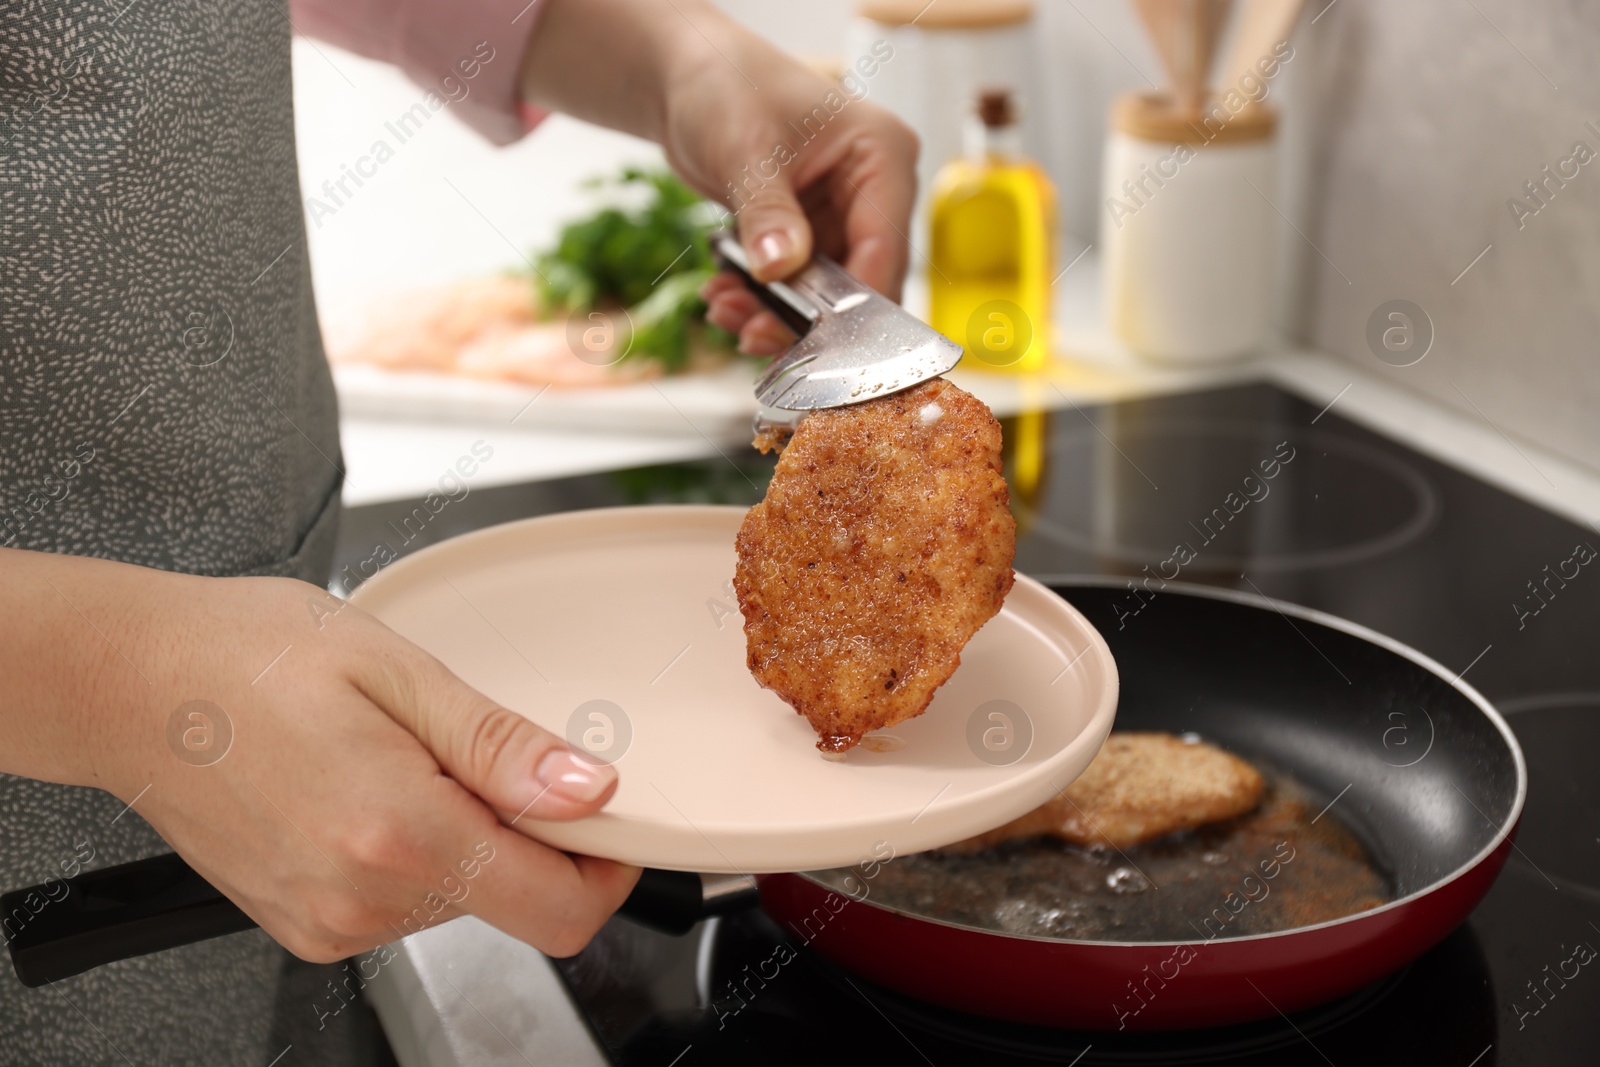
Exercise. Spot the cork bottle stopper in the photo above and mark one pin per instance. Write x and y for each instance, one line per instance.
(996, 108)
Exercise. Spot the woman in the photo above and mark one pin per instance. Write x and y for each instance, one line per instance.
(168, 510)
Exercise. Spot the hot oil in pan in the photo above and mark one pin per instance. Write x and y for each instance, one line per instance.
(1279, 867)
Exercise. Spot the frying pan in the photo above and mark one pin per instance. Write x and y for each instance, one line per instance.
(1304, 692)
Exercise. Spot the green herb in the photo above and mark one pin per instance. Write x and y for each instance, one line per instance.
(651, 258)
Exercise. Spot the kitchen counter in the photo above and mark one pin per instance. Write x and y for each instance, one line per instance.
(394, 460)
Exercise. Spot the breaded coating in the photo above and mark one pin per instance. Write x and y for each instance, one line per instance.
(884, 543)
(1141, 786)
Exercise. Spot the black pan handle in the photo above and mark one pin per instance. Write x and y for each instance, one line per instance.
(69, 926)
(674, 901)
(72, 925)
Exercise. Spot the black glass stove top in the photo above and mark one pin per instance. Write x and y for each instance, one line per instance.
(1246, 488)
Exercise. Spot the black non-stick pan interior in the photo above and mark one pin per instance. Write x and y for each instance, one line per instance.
(1422, 773)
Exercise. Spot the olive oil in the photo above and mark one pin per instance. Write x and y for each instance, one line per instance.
(992, 230)
(1026, 459)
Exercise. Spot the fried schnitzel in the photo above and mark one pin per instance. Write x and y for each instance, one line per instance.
(1141, 786)
(884, 542)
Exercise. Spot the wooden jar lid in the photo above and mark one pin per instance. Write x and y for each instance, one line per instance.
(947, 14)
(1154, 116)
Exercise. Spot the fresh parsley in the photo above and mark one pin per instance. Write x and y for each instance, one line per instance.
(650, 256)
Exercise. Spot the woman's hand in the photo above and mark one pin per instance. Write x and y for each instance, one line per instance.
(366, 792)
(799, 162)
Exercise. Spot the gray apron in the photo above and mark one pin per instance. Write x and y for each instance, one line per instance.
(164, 401)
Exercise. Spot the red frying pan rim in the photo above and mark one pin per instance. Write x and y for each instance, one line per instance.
(1507, 827)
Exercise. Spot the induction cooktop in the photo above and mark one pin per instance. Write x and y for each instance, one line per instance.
(1349, 523)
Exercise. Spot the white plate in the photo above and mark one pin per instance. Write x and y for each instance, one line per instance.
(628, 614)
(718, 403)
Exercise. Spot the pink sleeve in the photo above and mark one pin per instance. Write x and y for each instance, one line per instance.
(470, 54)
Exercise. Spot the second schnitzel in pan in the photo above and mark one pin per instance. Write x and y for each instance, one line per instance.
(1141, 786)
(884, 542)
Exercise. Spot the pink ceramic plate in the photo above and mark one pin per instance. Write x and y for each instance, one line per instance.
(619, 630)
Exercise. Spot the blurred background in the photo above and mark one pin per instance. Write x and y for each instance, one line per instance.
(1405, 131)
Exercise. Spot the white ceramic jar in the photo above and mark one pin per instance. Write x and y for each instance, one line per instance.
(1187, 229)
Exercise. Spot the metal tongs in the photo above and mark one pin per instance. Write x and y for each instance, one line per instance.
(855, 344)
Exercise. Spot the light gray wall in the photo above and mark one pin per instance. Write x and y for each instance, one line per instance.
(1417, 121)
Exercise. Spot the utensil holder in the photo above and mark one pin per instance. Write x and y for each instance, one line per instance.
(1187, 228)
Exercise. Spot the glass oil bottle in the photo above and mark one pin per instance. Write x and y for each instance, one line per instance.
(992, 233)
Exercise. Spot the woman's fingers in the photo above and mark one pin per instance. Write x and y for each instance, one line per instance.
(765, 335)
(441, 870)
(732, 308)
(544, 897)
(517, 768)
(722, 282)
(855, 200)
(380, 785)
(880, 261)
(880, 188)
(408, 867)
(774, 231)
(736, 309)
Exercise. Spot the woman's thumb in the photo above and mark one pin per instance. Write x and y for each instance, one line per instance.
(774, 232)
(517, 768)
